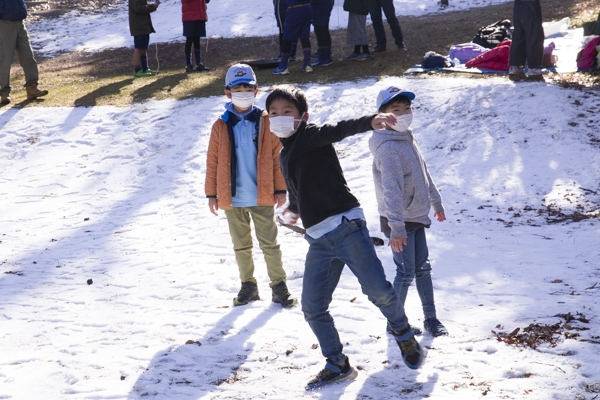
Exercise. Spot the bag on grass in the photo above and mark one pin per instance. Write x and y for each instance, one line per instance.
(466, 51)
(435, 60)
(591, 28)
(492, 35)
(586, 58)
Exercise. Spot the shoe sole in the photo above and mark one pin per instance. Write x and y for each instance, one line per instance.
(290, 305)
(239, 303)
(351, 374)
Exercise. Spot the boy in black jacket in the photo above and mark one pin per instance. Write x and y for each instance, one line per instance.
(335, 227)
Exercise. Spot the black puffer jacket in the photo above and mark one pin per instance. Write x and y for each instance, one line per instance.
(140, 22)
(360, 7)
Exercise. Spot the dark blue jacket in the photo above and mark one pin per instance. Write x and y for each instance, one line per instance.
(13, 10)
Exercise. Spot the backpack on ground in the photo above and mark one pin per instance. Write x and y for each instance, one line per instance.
(492, 35)
(435, 60)
(587, 58)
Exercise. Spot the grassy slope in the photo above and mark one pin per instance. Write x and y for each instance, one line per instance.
(105, 78)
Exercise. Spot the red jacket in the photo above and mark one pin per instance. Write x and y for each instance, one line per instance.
(194, 10)
(495, 59)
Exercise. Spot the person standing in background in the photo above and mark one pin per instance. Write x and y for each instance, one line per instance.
(140, 26)
(527, 45)
(14, 37)
(375, 7)
(321, 13)
(194, 17)
(357, 29)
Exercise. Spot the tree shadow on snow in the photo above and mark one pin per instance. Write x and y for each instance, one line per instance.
(199, 367)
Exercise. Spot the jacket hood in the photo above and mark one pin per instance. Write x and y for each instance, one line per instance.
(381, 136)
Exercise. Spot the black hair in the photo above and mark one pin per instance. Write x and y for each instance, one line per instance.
(400, 99)
(291, 93)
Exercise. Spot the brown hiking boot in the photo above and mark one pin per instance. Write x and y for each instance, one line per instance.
(33, 92)
(379, 49)
(4, 99)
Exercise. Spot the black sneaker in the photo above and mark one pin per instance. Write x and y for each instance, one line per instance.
(332, 373)
(415, 329)
(201, 68)
(435, 327)
(412, 353)
(248, 292)
(281, 295)
(189, 68)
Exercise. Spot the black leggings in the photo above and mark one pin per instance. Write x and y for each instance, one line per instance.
(323, 36)
(287, 45)
(191, 40)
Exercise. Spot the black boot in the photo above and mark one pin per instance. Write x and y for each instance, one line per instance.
(281, 295)
(248, 292)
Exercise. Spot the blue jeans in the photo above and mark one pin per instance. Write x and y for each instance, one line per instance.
(414, 261)
(375, 7)
(351, 245)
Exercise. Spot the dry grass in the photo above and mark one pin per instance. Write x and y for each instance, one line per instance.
(105, 78)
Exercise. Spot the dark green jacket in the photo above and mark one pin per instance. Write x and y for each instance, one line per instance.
(140, 22)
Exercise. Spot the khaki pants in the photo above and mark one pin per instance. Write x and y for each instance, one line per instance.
(14, 37)
(266, 233)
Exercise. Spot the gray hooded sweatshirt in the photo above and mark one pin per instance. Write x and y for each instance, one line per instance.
(403, 186)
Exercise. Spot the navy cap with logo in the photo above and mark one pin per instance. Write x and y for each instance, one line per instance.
(240, 73)
(387, 94)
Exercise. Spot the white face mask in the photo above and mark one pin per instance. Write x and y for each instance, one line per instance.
(403, 123)
(242, 99)
(284, 126)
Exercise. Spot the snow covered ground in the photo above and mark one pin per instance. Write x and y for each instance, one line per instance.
(110, 260)
(227, 18)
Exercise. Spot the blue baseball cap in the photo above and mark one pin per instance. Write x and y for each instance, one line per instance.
(387, 94)
(240, 73)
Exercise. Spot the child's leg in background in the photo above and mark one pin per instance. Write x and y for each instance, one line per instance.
(321, 13)
(534, 34)
(518, 50)
(306, 51)
(188, 51)
(140, 59)
(238, 219)
(197, 51)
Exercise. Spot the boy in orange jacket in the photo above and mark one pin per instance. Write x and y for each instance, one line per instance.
(243, 179)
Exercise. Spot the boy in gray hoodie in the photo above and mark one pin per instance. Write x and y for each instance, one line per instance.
(405, 194)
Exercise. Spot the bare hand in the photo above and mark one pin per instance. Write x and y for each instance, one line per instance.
(280, 199)
(289, 217)
(381, 120)
(213, 205)
(397, 244)
(440, 216)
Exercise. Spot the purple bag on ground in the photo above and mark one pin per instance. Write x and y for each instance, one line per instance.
(466, 51)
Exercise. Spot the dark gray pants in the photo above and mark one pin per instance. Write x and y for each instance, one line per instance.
(528, 37)
(375, 7)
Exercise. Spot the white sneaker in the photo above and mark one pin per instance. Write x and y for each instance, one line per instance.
(534, 71)
(515, 71)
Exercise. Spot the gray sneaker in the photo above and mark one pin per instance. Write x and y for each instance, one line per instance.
(363, 56)
(352, 56)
